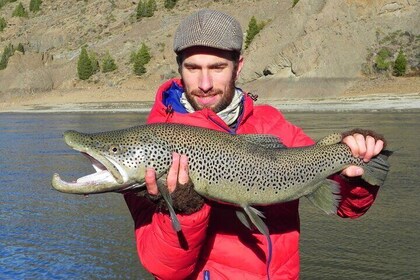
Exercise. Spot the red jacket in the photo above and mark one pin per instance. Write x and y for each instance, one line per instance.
(217, 241)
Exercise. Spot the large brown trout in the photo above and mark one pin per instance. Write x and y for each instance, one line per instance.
(242, 170)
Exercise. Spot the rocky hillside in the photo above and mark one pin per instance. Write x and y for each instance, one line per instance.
(319, 48)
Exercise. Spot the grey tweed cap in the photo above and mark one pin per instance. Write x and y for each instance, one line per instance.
(209, 28)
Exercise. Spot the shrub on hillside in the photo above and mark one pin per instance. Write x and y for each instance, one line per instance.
(144, 53)
(253, 29)
(35, 6)
(146, 8)
(400, 64)
(140, 59)
(4, 2)
(94, 62)
(20, 48)
(385, 56)
(3, 24)
(381, 61)
(108, 64)
(20, 11)
(139, 68)
(84, 65)
(7, 53)
(169, 4)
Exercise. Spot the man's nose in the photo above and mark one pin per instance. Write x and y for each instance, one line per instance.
(206, 82)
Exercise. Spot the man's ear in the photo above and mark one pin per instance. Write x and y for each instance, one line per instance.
(240, 65)
(179, 62)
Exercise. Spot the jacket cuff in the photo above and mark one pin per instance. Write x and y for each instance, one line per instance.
(189, 222)
(357, 196)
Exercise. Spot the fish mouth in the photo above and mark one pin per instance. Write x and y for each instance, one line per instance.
(106, 178)
(108, 175)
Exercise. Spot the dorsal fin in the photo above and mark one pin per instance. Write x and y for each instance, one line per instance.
(265, 140)
(331, 139)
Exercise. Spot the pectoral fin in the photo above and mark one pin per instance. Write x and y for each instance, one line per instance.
(255, 217)
(327, 196)
(168, 199)
(244, 219)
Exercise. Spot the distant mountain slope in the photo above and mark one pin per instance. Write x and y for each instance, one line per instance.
(318, 48)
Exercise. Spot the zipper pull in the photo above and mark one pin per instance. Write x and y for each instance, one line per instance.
(206, 275)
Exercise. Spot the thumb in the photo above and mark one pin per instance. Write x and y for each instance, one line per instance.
(352, 171)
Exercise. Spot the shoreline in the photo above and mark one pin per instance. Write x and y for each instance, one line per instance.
(371, 102)
(365, 95)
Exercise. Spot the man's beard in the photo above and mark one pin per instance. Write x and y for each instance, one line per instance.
(220, 106)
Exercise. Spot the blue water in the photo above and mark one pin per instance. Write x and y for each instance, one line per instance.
(50, 235)
(382, 244)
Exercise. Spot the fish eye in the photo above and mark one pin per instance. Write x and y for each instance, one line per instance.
(113, 149)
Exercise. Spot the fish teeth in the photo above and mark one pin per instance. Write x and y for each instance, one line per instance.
(102, 175)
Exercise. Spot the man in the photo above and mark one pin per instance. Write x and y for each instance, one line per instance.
(213, 242)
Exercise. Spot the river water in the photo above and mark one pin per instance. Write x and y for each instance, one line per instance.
(50, 235)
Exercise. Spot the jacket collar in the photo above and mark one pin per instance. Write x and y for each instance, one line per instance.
(167, 105)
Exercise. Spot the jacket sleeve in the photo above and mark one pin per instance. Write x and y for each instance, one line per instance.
(357, 196)
(163, 252)
(271, 121)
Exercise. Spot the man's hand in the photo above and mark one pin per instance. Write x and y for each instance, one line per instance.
(364, 147)
(184, 198)
(177, 174)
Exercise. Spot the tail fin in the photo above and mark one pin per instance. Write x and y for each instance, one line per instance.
(376, 170)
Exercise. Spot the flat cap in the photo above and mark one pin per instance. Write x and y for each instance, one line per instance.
(209, 28)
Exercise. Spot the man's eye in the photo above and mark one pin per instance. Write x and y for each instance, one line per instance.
(219, 67)
(190, 66)
(191, 69)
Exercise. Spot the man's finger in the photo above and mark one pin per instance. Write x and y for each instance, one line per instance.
(351, 142)
(183, 174)
(361, 144)
(370, 147)
(352, 171)
(150, 179)
(172, 178)
(379, 145)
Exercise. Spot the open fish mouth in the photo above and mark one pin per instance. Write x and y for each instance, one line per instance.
(102, 180)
